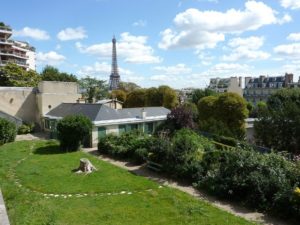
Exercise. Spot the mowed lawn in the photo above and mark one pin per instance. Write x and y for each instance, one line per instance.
(39, 187)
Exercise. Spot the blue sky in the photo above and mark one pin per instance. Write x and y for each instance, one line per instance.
(181, 43)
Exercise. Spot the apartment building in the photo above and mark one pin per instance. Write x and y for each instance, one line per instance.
(221, 85)
(260, 88)
(18, 52)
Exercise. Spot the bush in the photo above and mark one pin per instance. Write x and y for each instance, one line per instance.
(26, 128)
(72, 130)
(7, 131)
(262, 181)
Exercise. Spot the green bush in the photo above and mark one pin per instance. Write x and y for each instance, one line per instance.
(263, 181)
(25, 128)
(8, 131)
(72, 130)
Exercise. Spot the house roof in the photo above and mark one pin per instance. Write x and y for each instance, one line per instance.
(103, 101)
(100, 112)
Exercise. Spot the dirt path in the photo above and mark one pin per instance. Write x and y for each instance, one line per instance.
(32, 136)
(185, 187)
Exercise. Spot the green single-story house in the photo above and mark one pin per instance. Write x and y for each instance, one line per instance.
(107, 120)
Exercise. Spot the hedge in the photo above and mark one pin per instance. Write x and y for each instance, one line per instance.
(8, 131)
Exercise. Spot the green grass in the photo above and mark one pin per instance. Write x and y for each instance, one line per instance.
(47, 170)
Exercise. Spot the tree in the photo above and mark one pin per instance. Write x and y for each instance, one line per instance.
(51, 73)
(128, 86)
(72, 130)
(198, 94)
(119, 95)
(224, 114)
(180, 117)
(15, 76)
(278, 124)
(153, 97)
(93, 89)
(136, 98)
(168, 96)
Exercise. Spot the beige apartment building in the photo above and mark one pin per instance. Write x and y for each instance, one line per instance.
(222, 85)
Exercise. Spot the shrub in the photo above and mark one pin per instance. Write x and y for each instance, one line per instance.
(262, 181)
(7, 131)
(72, 130)
(26, 128)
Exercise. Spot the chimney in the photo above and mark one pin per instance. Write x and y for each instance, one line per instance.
(143, 113)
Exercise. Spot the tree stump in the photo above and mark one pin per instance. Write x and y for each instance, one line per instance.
(85, 166)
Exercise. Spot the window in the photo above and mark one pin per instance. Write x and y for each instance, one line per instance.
(122, 129)
(46, 124)
(101, 132)
(148, 128)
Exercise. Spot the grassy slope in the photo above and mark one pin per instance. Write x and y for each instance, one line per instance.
(52, 173)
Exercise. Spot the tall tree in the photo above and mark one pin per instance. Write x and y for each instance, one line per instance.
(168, 96)
(16, 76)
(128, 86)
(198, 94)
(224, 114)
(119, 95)
(153, 97)
(136, 98)
(50, 73)
(93, 88)
(278, 124)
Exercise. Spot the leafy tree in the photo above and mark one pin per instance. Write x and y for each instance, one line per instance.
(8, 131)
(15, 76)
(153, 97)
(119, 94)
(198, 94)
(72, 130)
(168, 96)
(180, 117)
(93, 88)
(128, 86)
(136, 98)
(51, 73)
(224, 114)
(278, 124)
(193, 108)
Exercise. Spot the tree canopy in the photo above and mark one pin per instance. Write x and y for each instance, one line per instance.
(15, 76)
(128, 86)
(119, 95)
(198, 94)
(50, 73)
(93, 89)
(223, 114)
(278, 124)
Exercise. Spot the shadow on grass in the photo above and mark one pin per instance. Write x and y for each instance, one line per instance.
(49, 150)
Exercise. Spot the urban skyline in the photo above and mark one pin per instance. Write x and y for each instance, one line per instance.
(179, 43)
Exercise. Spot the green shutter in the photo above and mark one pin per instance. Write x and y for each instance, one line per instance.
(122, 129)
(101, 132)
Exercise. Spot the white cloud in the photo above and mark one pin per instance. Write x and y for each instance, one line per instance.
(133, 49)
(72, 34)
(228, 68)
(50, 58)
(33, 33)
(102, 69)
(294, 37)
(288, 50)
(140, 23)
(163, 78)
(246, 48)
(204, 29)
(292, 4)
(178, 69)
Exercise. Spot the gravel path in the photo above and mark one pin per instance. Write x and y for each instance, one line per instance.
(185, 187)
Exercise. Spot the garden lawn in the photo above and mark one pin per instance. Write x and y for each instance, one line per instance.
(40, 188)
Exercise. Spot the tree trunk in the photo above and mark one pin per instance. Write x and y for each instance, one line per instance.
(85, 166)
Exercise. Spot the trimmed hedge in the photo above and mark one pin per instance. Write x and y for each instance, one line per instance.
(8, 131)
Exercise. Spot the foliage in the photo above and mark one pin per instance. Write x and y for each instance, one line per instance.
(198, 94)
(278, 125)
(7, 131)
(72, 130)
(128, 86)
(50, 73)
(168, 96)
(224, 114)
(257, 110)
(26, 128)
(93, 88)
(153, 97)
(130, 145)
(136, 98)
(13, 75)
(262, 181)
(119, 95)
(193, 108)
(180, 117)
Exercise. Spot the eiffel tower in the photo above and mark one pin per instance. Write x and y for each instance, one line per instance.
(114, 78)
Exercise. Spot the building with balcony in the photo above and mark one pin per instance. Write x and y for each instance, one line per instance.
(222, 85)
(18, 52)
(260, 88)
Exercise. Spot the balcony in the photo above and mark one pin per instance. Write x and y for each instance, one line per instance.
(18, 62)
(5, 29)
(13, 54)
